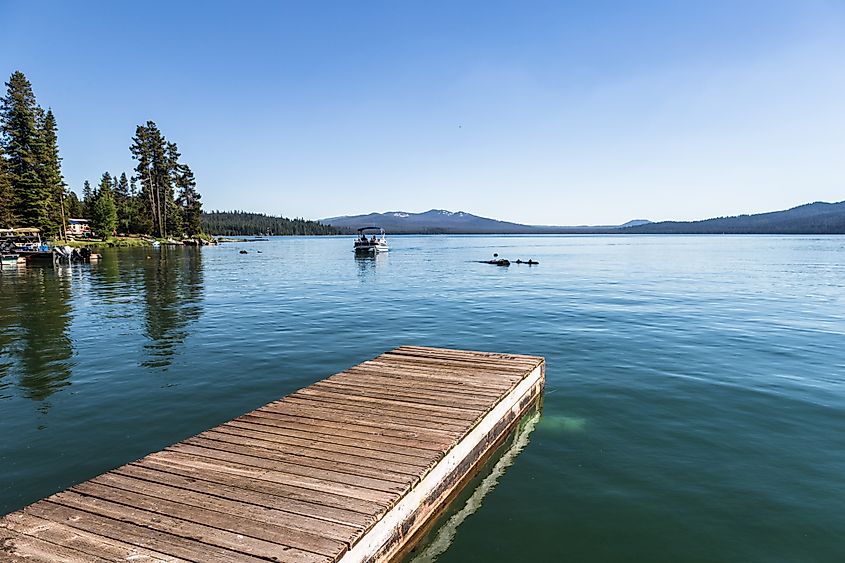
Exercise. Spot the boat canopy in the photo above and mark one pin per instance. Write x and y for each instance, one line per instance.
(20, 233)
(362, 229)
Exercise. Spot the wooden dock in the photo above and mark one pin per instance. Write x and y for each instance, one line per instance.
(348, 469)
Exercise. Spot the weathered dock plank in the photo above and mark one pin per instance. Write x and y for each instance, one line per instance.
(345, 470)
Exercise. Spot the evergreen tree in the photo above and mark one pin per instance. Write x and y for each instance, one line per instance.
(23, 144)
(73, 207)
(139, 221)
(161, 174)
(188, 200)
(103, 212)
(172, 212)
(7, 217)
(50, 172)
(87, 200)
(123, 203)
(149, 149)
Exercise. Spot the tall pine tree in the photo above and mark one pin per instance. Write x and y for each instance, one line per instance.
(50, 172)
(73, 207)
(87, 199)
(188, 200)
(139, 221)
(123, 203)
(161, 176)
(149, 149)
(23, 143)
(7, 217)
(103, 212)
(172, 213)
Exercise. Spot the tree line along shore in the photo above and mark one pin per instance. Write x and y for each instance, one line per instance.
(158, 200)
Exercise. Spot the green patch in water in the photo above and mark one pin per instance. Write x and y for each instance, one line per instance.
(560, 423)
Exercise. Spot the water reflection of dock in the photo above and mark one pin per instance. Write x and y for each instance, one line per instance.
(348, 469)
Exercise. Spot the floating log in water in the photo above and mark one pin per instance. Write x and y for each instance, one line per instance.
(347, 470)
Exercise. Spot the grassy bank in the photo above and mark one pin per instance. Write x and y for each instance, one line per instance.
(119, 242)
(109, 242)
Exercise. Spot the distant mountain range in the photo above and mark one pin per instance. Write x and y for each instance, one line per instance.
(440, 221)
(812, 218)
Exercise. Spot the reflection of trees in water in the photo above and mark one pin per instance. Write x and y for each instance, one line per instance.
(36, 351)
(108, 281)
(173, 291)
(34, 339)
(117, 282)
(7, 316)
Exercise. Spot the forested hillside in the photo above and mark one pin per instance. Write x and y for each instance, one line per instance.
(813, 218)
(242, 223)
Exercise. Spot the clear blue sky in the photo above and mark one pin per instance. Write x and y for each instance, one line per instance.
(538, 112)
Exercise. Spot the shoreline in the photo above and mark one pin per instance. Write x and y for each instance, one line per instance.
(130, 242)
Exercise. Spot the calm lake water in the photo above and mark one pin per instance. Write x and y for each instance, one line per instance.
(695, 400)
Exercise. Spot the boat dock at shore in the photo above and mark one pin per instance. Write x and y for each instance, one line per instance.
(350, 469)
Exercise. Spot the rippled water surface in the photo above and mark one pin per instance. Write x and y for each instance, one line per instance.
(695, 400)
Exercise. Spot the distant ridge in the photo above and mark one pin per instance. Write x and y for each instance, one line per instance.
(810, 219)
(441, 221)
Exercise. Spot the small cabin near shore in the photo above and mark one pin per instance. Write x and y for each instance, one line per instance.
(78, 227)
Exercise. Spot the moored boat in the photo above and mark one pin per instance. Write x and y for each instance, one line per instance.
(11, 259)
(25, 242)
